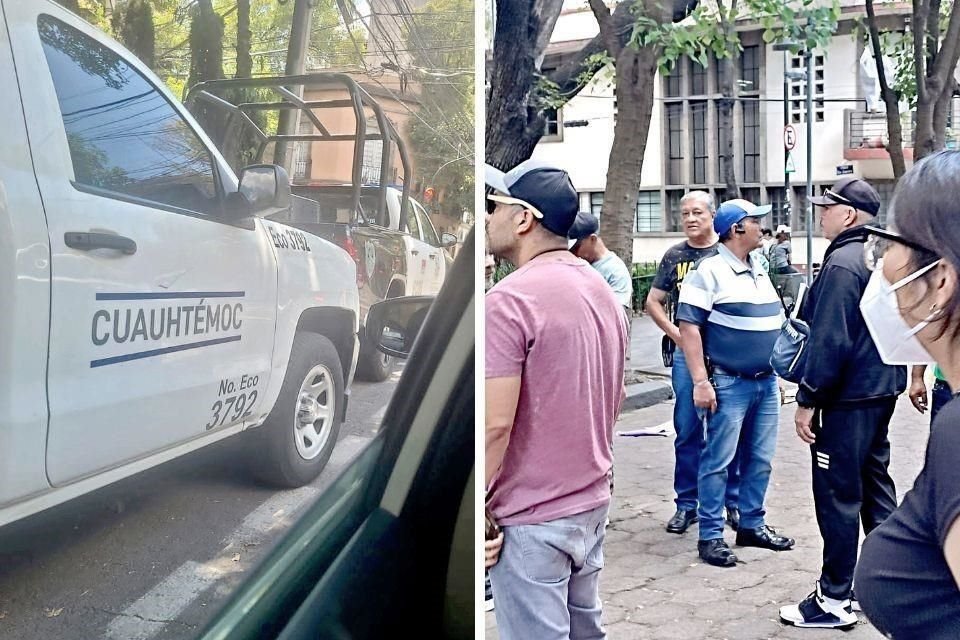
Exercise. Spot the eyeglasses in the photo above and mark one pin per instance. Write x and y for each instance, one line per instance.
(880, 240)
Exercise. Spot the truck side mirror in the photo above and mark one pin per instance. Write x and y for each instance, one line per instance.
(447, 240)
(393, 325)
(265, 186)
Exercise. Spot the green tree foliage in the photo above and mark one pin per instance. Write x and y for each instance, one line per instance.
(442, 133)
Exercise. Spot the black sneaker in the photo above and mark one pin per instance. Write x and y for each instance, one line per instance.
(681, 520)
(814, 612)
(716, 552)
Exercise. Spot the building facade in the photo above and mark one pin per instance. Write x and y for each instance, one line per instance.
(682, 150)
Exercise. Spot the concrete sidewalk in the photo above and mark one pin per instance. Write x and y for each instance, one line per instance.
(655, 586)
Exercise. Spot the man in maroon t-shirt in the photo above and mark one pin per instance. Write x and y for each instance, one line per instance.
(555, 343)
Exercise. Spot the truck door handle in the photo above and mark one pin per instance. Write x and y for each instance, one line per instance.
(90, 240)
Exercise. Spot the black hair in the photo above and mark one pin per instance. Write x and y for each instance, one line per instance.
(924, 206)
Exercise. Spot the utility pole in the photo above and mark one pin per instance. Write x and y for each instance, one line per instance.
(808, 56)
(786, 123)
(296, 61)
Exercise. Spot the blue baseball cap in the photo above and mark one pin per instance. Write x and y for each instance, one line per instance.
(731, 212)
(540, 187)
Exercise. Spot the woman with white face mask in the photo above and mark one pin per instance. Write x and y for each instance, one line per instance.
(909, 571)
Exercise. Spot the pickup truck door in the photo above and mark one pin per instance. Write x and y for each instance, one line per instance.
(162, 314)
(436, 264)
(418, 253)
(25, 300)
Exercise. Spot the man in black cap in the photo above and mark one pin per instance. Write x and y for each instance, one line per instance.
(548, 432)
(585, 242)
(845, 401)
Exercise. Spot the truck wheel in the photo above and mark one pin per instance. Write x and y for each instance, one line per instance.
(373, 365)
(297, 438)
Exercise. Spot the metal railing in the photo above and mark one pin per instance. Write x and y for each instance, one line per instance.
(868, 130)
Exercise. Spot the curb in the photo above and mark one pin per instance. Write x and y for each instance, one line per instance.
(647, 394)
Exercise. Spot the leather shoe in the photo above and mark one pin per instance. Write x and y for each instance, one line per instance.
(716, 552)
(733, 518)
(765, 538)
(682, 519)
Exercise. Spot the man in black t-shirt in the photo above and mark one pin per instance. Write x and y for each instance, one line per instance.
(696, 214)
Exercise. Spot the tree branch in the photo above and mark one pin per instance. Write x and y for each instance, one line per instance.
(569, 76)
(949, 52)
(919, 29)
(607, 29)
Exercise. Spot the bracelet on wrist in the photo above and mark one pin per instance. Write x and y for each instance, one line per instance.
(704, 381)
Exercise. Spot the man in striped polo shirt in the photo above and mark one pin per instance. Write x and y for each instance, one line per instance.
(730, 317)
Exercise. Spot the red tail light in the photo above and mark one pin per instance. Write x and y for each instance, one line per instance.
(351, 248)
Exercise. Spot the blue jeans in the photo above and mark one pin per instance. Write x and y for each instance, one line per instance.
(940, 396)
(546, 584)
(689, 442)
(747, 414)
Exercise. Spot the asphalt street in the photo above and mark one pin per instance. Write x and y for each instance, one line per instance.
(156, 555)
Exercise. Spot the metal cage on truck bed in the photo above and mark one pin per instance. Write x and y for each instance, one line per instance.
(224, 109)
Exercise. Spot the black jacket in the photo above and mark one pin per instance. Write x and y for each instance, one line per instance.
(843, 366)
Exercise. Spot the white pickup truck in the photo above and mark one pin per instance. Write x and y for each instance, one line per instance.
(149, 309)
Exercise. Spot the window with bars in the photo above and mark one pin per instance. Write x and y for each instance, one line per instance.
(798, 95)
(800, 208)
(674, 143)
(751, 141)
(780, 214)
(698, 79)
(596, 203)
(698, 130)
(649, 213)
(674, 222)
(672, 81)
(552, 125)
(885, 190)
(750, 69)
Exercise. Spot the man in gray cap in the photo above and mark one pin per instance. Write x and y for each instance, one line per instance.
(548, 433)
(844, 405)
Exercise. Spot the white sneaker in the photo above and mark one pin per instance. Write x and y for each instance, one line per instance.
(815, 612)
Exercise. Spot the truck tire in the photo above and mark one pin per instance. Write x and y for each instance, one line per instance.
(373, 365)
(294, 443)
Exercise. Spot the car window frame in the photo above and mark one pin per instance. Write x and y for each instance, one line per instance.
(217, 213)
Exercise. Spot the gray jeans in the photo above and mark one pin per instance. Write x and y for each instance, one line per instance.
(546, 584)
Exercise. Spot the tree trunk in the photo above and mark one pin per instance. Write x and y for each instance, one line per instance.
(941, 111)
(636, 70)
(206, 44)
(727, 78)
(244, 60)
(514, 117)
(728, 174)
(515, 121)
(894, 128)
(935, 86)
(133, 24)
